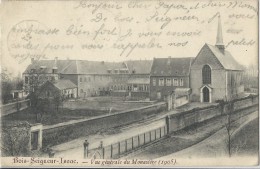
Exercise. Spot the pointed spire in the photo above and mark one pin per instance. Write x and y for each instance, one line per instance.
(219, 41)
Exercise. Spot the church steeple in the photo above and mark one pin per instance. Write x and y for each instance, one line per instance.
(219, 41)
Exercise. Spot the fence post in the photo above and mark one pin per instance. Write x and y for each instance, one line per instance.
(111, 151)
(168, 124)
(144, 138)
(150, 135)
(126, 145)
(155, 134)
(119, 148)
(160, 132)
(132, 143)
(138, 140)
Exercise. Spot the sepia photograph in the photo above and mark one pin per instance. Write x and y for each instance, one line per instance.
(129, 83)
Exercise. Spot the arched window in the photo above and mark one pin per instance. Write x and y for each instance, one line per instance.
(206, 74)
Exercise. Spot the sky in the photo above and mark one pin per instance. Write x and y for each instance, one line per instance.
(124, 30)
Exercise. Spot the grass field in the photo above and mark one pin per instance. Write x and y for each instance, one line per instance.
(247, 139)
(73, 110)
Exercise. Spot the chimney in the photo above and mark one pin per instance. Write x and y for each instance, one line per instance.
(55, 68)
(219, 41)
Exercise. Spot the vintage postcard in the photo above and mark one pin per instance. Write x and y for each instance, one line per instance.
(128, 83)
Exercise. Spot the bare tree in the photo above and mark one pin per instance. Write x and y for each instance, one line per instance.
(230, 127)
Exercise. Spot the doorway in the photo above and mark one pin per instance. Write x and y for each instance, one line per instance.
(205, 94)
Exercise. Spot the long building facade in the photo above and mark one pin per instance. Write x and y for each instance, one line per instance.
(211, 76)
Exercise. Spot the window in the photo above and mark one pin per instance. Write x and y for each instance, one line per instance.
(26, 80)
(168, 82)
(181, 82)
(206, 74)
(80, 79)
(81, 90)
(161, 82)
(85, 79)
(154, 82)
(175, 82)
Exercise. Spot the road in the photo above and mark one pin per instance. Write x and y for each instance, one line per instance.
(74, 148)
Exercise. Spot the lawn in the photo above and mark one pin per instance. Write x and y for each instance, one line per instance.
(104, 104)
(79, 109)
(247, 139)
(51, 118)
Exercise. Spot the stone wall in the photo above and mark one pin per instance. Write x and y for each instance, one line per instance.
(184, 119)
(14, 107)
(60, 133)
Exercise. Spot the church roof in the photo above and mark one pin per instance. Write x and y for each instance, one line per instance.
(226, 59)
(171, 66)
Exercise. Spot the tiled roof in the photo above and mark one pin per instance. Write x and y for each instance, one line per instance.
(64, 84)
(45, 66)
(75, 66)
(171, 66)
(90, 67)
(98, 67)
(139, 66)
(226, 59)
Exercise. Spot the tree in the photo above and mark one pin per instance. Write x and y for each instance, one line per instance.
(35, 79)
(15, 138)
(6, 85)
(230, 127)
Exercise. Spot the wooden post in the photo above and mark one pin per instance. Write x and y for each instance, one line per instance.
(144, 138)
(103, 152)
(150, 135)
(160, 132)
(132, 143)
(125, 145)
(118, 148)
(138, 140)
(155, 134)
(111, 150)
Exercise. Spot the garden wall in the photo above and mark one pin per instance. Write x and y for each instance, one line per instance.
(63, 132)
(14, 107)
(184, 119)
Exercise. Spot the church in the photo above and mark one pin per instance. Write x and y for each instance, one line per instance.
(215, 74)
